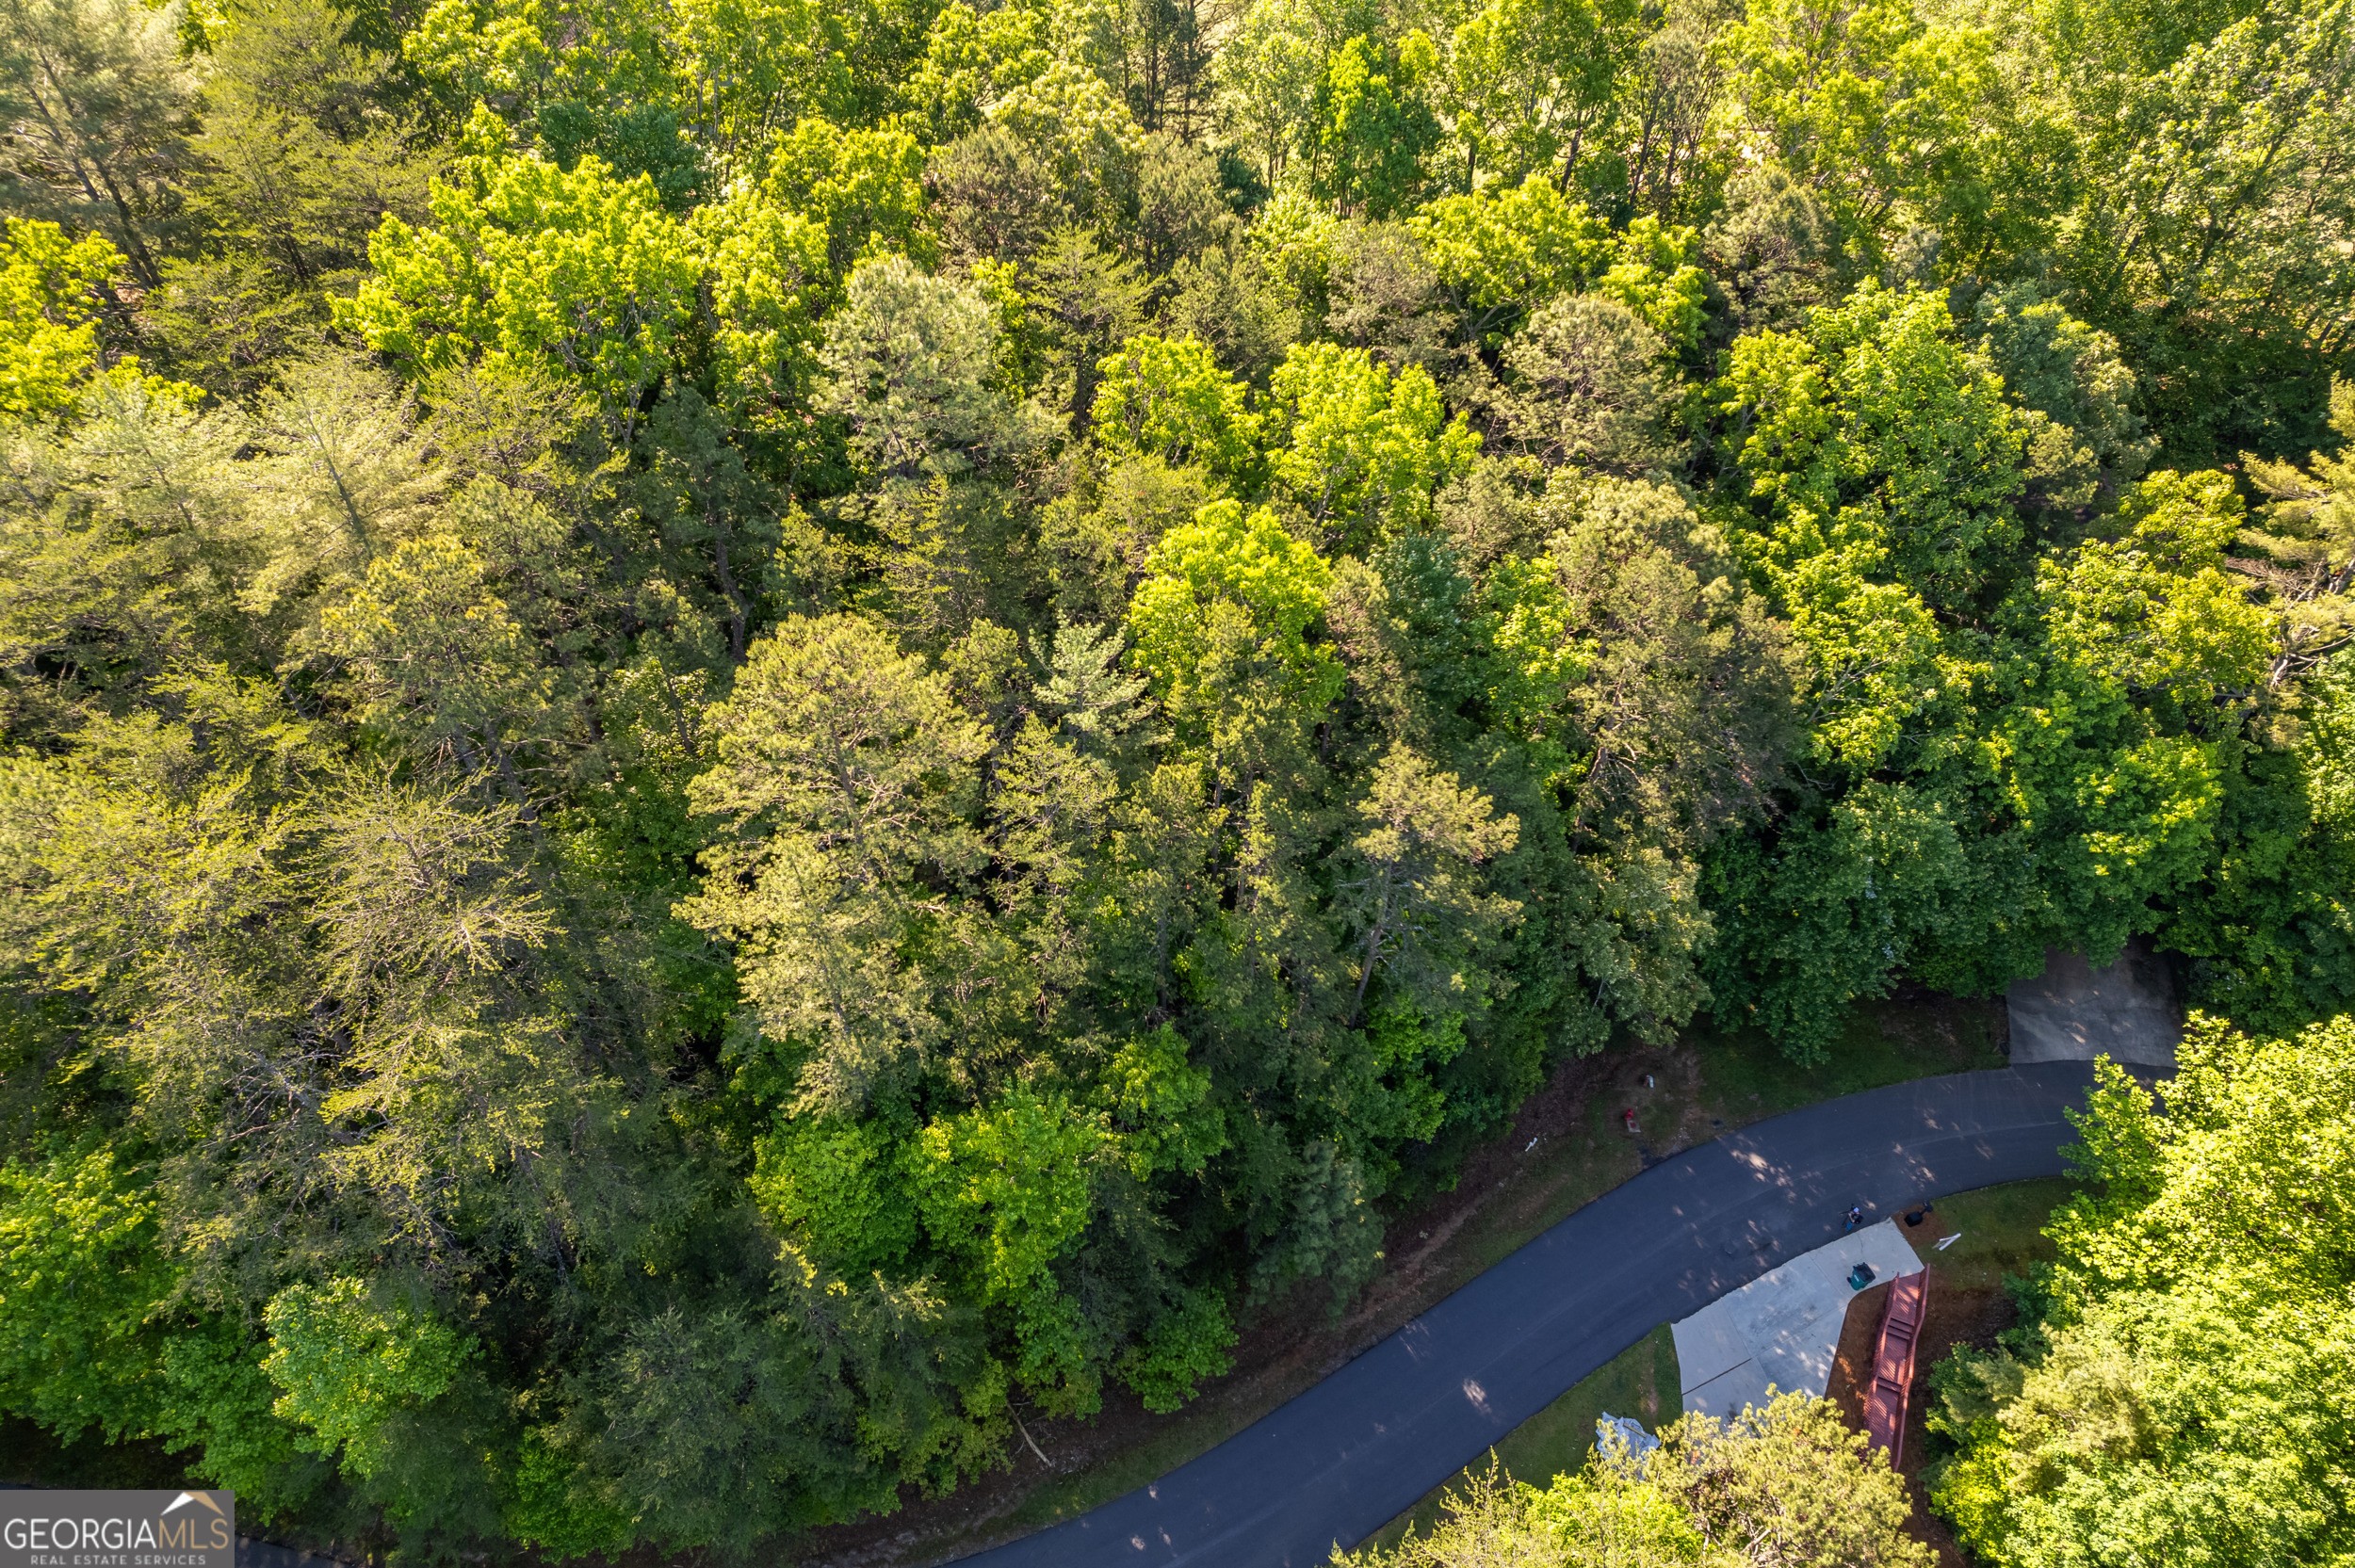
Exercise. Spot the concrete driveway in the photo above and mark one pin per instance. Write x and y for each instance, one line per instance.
(2074, 1012)
(1781, 1331)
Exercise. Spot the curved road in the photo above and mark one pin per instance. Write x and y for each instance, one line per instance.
(1343, 1459)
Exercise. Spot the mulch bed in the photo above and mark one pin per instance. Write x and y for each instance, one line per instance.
(1956, 1317)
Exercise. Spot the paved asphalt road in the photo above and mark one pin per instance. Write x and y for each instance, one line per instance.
(1343, 1459)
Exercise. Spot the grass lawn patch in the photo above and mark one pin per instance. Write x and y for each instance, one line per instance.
(1997, 1230)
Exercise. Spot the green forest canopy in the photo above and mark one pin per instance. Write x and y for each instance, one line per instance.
(2186, 1373)
(1786, 1484)
(739, 734)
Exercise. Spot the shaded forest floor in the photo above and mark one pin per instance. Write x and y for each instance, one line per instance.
(1564, 1147)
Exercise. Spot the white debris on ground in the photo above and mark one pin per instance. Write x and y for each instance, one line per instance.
(1782, 1329)
(1625, 1431)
